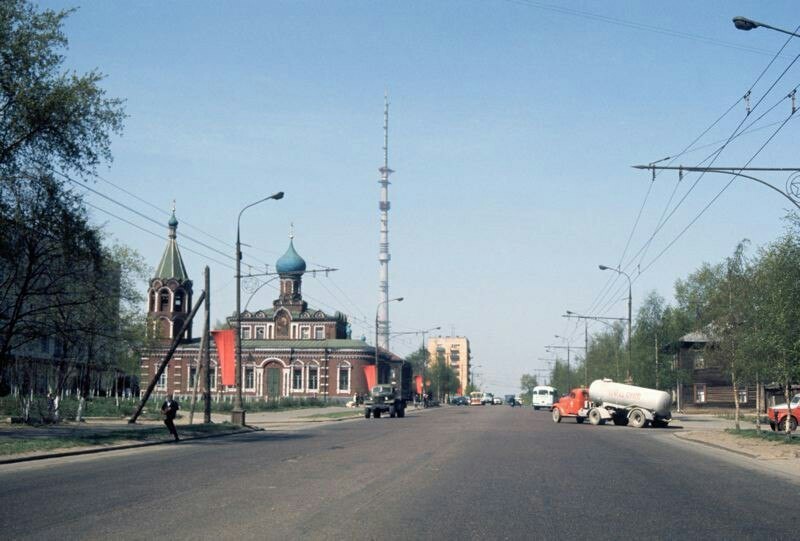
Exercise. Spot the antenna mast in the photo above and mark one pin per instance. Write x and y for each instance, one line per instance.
(382, 316)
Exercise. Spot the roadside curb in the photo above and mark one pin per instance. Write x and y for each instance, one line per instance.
(715, 446)
(95, 450)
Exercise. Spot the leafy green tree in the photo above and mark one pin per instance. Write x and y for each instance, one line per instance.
(729, 307)
(48, 116)
(775, 313)
(563, 377)
(444, 380)
(527, 382)
(51, 121)
(606, 353)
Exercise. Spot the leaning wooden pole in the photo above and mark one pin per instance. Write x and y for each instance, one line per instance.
(207, 352)
(201, 366)
(175, 341)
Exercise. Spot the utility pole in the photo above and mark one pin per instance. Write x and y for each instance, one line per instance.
(586, 319)
(568, 347)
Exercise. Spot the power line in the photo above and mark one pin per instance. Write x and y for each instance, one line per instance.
(637, 26)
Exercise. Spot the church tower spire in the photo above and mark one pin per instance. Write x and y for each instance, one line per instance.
(170, 292)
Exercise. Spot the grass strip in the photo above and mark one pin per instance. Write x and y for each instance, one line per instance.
(752, 433)
(88, 437)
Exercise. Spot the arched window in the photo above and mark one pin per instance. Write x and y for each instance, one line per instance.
(163, 300)
(178, 304)
(344, 377)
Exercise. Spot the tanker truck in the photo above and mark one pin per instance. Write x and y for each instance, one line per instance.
(622, 404)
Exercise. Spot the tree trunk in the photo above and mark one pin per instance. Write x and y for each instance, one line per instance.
(787, 394)
(735, 401)
(758, 405)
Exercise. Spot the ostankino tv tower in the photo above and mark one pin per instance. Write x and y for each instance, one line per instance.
(383, 252)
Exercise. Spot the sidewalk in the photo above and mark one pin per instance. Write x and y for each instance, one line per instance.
(146, 432)
(709, 431)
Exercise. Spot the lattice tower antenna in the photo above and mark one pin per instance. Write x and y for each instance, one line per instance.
(383, 252)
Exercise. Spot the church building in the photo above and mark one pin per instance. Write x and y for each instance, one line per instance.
(288, 350)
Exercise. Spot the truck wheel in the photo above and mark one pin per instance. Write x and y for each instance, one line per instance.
(637, 418)
(772, 426)
(366, 413)
(579, 420)
(792, 424)
(376, 414)
(594, 416)
(556, 415)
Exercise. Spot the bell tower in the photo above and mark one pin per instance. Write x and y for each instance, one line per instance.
(169, 297)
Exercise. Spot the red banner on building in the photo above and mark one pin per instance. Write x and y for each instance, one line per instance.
(225, 341)
(418, 381)
(371, 375)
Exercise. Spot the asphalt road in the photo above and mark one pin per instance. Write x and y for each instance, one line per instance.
(448, 473)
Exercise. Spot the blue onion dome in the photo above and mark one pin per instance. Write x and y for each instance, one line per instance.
(290, 262)
(173, 221)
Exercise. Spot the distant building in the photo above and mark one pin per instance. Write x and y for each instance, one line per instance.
(288, 350)
(454, 350)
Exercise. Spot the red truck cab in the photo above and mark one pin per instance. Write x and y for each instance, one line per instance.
(778, 414)
(575, 404)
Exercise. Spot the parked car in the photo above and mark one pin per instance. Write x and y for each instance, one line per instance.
(497, 401)
(778, 415)
(459, 401)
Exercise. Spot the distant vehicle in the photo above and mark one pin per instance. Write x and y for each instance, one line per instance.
(475, 398)
(497, 401)
(459, 401)
(777, 415)
(487, 398)
(543, 396)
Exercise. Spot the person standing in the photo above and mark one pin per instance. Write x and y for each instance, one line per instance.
(169, 409)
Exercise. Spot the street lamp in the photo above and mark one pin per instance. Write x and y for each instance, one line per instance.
(630, 303)
(398, 299)
(743, 23)
(237, 414)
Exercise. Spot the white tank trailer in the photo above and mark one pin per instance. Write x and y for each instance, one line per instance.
(628, 404)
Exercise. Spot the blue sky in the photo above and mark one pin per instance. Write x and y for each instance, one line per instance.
(513, 128)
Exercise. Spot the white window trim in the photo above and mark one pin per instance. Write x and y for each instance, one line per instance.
(319, 328)
(349, 369)
(246, 332)
(308, 377)
(263, 329)
(163, 378)
(244, 378)
(302, 368)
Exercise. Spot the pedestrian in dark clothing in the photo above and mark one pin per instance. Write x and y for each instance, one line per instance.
(169, 409)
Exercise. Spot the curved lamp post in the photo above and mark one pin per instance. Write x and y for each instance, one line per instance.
(630, 303)
(237, 414)
(743, 23)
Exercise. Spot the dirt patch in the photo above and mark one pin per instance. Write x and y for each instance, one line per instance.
(754, 447)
